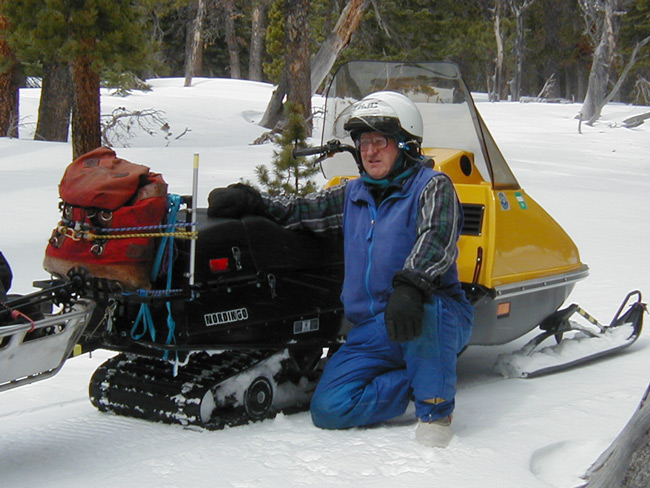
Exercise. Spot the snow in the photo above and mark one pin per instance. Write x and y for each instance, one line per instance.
(543, 432)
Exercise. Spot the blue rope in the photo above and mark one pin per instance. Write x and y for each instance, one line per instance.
(166, 244)
(143, 227)
(154, 293)
(144, 315)
(173, 203)
(101, 230)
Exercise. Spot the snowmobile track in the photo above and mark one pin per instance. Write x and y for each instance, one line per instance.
(148, 388)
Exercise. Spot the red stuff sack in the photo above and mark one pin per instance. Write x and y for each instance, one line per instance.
(108, 203)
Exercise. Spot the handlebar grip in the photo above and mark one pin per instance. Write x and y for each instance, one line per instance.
(308, 151)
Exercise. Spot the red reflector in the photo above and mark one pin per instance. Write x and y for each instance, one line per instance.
(218, 265)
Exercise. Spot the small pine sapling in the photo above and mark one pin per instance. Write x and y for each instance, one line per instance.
(289, 176)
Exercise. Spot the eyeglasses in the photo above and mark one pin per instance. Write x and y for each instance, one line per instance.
(378, 141)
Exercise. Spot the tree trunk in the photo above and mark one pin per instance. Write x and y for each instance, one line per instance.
(515, 87)
(297, 64)
(581, 78)
(56, 102)
(597, 85)
(601, 63)
(498, 81)
(621, 79)
(624, 464)
(231, 39)
(273, 112)
(194, 45)
(9, 87)
(336, 41)
(258, 17)
(518, 10)
(323, 61)
(86, 130)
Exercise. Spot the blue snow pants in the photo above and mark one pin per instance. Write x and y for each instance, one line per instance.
(371, 379)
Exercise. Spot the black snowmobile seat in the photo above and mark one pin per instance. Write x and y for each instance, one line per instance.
(275, 248)
(256, 244)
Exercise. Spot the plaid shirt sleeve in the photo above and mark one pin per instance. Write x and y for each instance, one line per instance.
(438, 225)
(320, 212)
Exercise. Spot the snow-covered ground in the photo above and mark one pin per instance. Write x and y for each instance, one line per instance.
(510, 432)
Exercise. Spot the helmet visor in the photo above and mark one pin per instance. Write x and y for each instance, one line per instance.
(372, 123)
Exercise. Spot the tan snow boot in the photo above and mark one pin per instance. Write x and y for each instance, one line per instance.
(436, 433)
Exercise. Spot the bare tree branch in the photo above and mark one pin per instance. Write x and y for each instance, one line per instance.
(626, 70)
(336, 41)
(380, 21)
(642, 90)
(119, 127)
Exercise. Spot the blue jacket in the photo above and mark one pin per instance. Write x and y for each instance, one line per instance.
(378, 241)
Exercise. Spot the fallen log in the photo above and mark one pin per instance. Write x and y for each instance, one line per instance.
(626, 462)
(636, 120)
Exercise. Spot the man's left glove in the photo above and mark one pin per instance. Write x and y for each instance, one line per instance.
(235, 201)
(404, 313)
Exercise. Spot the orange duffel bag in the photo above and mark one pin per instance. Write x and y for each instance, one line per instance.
(109, 205)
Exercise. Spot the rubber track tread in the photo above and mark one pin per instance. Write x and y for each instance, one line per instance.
(146, 388)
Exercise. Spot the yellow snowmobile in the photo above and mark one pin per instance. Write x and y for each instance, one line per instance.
(233, 324)
(516, 263)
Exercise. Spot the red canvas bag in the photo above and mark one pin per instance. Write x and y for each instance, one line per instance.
(102, 194)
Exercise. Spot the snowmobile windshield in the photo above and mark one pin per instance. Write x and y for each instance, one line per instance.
(438, 90)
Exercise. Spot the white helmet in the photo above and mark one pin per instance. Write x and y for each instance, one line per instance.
(388, 112)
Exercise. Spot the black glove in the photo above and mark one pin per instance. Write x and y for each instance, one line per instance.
(404, 313)
(235, 201)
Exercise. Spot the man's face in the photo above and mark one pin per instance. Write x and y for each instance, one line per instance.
(378, 154)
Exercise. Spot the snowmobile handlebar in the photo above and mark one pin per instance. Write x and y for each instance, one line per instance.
(332, 147)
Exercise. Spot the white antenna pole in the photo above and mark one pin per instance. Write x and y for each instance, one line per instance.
(195, 186)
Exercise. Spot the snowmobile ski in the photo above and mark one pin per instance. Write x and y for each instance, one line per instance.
(210, 390)
(590, 341)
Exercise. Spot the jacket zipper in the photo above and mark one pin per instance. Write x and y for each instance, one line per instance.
(370, 238)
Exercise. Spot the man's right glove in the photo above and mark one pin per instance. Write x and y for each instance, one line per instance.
(235, 201)
(404, 313)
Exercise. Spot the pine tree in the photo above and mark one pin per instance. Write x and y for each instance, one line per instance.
(275, 41)
(91, 36)
(557, 49)
(9, 116)
(416, 30)
(289, 175)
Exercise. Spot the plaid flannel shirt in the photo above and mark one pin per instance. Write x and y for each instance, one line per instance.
(438, 225)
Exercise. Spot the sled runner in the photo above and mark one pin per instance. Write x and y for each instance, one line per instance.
(35, 350)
